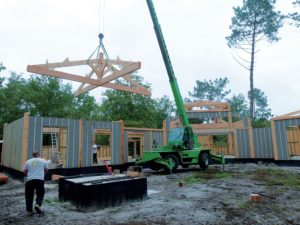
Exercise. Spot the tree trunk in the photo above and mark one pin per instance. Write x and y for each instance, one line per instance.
(251, 74)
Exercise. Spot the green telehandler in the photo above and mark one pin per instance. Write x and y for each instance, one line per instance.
(182, 148)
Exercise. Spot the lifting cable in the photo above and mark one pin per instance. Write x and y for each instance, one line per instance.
(100, 48)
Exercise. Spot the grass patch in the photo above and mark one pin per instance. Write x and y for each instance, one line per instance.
(192, 180)
(211, 173)
(51, 201)
(245, 205)
(273, 176)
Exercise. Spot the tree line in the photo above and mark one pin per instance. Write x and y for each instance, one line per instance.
(49, 97)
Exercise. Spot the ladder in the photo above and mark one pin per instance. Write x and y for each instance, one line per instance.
(54, 148)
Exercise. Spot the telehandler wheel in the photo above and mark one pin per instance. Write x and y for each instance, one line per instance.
(175, 161)
(155, 167)
(203, 160)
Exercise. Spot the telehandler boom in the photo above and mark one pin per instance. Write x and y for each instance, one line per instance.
(182, 148)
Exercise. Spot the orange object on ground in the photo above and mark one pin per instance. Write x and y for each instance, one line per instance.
(3, 178)
(255, 198)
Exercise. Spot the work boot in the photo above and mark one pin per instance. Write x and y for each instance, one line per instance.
(38, 209)
(30, 213)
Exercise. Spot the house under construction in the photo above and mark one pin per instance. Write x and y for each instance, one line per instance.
(67, 143)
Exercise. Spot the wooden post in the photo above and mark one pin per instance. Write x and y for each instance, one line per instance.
(25, 139)
(122, 142)
(164, 128)
(275, 148)
(250, 129)
(80, 143)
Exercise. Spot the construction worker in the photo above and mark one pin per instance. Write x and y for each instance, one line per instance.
(95, 150)
(35, 170)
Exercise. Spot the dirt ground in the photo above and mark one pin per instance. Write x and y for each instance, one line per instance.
(207, 197)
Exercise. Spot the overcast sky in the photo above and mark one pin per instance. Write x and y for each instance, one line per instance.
(34, 31)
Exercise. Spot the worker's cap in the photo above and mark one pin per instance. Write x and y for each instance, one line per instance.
(35, 153)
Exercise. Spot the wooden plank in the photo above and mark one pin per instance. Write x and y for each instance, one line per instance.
(69, 76)
(50, 130)
(286, 117)
(99, 68)
(208, 110)
(291, 114)
(63, 75)
(142, 129)
(251, 143)
(206, 103)
(210, 126)
(164, 129)
(103, 131)
(25, 139)
(129, 69)
(142, 91)
(68, 63)
(87, 75)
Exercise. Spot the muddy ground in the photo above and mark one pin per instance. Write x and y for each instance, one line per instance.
(207, 197)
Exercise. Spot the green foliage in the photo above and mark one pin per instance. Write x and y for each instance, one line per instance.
(43, 96)
(255, 19)
(48, 97)
(220, 140)
(12, 105)
(216, 91)
(295, 16)
(2, 67)
(262, 111)
(86, 107)
(102, 139)
(238, 105)
(210, 90)
(135, 109)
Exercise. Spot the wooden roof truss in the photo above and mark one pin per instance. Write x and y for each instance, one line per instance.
(103, 73)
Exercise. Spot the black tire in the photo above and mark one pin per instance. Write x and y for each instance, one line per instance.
(175, 161)
(185, 166)
(203, 160)
(155, 167)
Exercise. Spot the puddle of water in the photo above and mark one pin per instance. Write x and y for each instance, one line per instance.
(149, 192)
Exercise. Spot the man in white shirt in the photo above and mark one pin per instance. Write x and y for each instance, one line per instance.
(34, 171)
(95, 153)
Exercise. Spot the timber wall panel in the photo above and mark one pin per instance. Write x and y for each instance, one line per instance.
(12, 145)
(243, 143)
(116, 143)
(149, 136)
(87, 140)
(263, 146)
(281, 136)
(35, 136)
